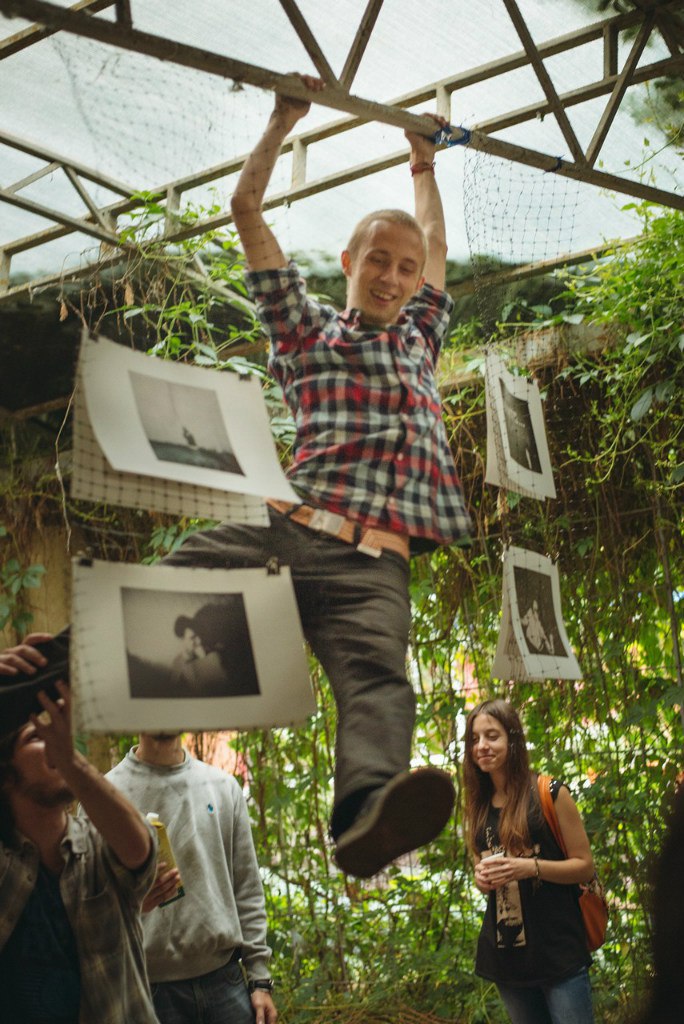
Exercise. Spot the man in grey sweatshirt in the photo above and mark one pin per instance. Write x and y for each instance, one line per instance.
(194, 945)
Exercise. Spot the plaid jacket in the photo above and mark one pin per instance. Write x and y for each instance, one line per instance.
(102, 900)
(370, 444)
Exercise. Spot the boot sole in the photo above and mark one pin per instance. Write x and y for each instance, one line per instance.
(412, 810)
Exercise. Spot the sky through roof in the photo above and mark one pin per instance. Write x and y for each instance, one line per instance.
(144, 122)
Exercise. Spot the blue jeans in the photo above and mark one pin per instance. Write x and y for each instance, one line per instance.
(220, 997)
(563, 1002)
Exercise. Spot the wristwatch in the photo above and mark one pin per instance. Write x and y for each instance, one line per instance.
(265, 984)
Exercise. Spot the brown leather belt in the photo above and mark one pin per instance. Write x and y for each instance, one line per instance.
(369, 540)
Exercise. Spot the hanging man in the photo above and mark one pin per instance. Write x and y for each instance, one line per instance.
(376, 479)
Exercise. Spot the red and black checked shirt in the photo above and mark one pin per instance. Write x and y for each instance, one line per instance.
(370, 444)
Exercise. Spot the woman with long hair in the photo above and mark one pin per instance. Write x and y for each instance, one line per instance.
(532, 943)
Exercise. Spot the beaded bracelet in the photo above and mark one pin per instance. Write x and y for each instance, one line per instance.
(419, 168)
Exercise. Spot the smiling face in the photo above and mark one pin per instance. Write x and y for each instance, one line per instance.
(384, 272)
(489, 744)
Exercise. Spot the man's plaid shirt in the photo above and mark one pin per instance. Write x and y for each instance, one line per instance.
(102, 900)
(370, 444)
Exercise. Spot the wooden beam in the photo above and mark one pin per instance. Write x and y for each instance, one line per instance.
(308, 40)
(616, 97)
(671, 27)
(58, 230)
(33, 34)
(172, 208)
(361, 40)
(544, 80)
(75, 223)
(610, 51)
(5, 264)
(360, 109)
(85, 197)
(486, 143)
(592, 91)
(332, 128)
(290, 85)
(483, 143)
(211, 63)
(123, 13)
(299, 151)
(42, 153)
(528, 270)
(534, 349)
(555, 165)
(16, 186)
(35, 410)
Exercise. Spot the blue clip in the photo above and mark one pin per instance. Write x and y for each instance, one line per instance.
(445, 137)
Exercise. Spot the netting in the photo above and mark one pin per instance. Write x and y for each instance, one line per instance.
(517, 216)
(150, 122)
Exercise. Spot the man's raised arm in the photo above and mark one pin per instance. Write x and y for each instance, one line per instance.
(428, 202)
(117, 821)
(258, 241)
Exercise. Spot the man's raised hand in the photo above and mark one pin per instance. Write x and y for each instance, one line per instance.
(292, 110)
(24, 657)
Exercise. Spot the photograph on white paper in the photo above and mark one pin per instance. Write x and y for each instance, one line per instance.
(188, 424)
(517, 450)
(93, 479)
(161, 647)
(187, 645)
(166, 409)
(533, 643)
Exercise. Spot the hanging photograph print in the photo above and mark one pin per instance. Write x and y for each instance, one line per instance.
(532, 640)
(517, 451)
(93, 479)
(161, 647)
(187, 424)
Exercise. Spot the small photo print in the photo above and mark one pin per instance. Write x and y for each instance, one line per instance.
(160, 647)
(537, 616)
(169, 423)
(519, 429)
(187, 645)
(183, 424)
(517, 450)
(532, 642)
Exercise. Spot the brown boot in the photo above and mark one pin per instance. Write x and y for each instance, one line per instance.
(410, 811)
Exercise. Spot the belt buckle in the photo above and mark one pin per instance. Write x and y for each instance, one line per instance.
(326, 522)
(366, 549)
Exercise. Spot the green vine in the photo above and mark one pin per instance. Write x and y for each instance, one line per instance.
(15, 580)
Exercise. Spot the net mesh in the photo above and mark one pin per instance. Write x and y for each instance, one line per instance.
(517, 216)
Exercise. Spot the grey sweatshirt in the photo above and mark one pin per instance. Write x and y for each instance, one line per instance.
(208, 825)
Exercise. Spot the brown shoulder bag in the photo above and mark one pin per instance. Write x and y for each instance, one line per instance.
(592, 900)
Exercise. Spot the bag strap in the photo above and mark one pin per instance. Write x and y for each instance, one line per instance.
(549, 808)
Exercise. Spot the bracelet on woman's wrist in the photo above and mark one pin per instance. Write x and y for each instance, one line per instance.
(536, 881)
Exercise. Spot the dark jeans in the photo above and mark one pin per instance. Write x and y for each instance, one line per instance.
(220, 997)
(356, 616)
(563, 1002)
